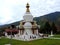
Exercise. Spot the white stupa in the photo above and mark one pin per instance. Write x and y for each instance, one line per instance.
(28, 27)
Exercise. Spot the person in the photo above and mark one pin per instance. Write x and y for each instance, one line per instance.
(24, 37)
(30, 37)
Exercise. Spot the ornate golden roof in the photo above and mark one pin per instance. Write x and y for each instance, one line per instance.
(27, 6)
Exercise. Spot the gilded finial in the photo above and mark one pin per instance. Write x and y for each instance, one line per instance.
(27, 6)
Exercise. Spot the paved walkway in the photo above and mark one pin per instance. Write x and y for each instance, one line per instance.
(54, 38)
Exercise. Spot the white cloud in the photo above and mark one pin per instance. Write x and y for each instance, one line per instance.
(13, 10)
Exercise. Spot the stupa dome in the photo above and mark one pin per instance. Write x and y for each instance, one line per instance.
(27, 25)
(28, 17)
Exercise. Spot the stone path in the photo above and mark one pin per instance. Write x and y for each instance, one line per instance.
(54, 38)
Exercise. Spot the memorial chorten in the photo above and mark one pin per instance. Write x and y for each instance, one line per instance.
(28, 27)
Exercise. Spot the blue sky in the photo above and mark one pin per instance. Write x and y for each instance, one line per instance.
(13, 10)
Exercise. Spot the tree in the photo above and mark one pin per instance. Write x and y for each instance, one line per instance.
(46, 28)
(54, 28)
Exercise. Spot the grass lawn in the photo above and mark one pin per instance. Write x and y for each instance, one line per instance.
(35, 42)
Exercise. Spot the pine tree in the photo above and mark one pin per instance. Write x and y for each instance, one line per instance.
(54, 28)
(46, 28)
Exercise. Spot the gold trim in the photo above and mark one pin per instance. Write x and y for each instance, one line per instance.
(27, 6)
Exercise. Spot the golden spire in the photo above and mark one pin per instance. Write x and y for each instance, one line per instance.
(27, 6)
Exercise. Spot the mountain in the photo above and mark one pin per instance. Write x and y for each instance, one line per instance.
(52, 17)
(7, 25)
